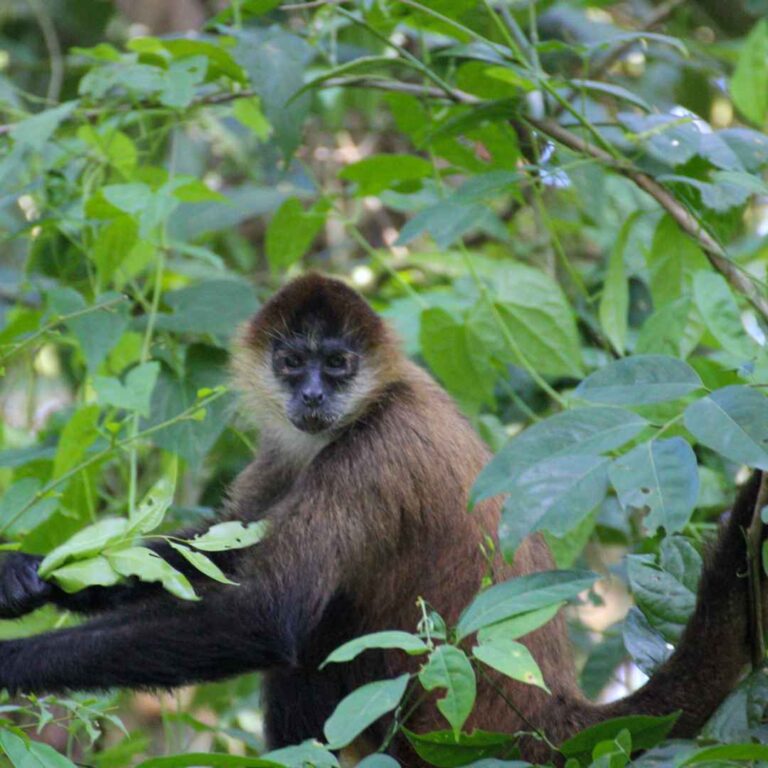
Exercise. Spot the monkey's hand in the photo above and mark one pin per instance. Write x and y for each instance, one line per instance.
(21, 588)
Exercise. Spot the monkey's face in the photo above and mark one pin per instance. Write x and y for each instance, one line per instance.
(316, 375)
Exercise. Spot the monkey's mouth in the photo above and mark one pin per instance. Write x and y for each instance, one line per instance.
(313, 422)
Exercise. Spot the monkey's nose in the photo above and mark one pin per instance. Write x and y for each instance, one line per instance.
(312, 397)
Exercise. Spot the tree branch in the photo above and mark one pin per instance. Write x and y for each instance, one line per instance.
(717, 257)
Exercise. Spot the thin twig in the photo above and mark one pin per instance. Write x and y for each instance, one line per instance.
(511, 704)
(755, 566)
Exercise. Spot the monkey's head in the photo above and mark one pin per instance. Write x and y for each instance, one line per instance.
(313, 357)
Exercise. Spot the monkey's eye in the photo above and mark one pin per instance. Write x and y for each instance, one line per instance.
(292, 362)
(336, 361)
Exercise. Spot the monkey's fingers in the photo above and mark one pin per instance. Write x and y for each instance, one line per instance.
(21, 588)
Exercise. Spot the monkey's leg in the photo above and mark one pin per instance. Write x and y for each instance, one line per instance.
(162, 643)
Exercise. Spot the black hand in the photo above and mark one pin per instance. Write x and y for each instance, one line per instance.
(21, 588)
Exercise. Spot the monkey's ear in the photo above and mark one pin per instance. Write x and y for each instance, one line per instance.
(314, 298)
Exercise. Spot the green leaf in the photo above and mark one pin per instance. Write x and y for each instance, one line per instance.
(275, 61)
(456, 356)
(203, 563)
(521, 595)
(646, 732)
(614, 303)
(729, 753)
(113, 245)
(78, 435)
(405, 641)
(732, 421)
(89, 541)
(726, 191)
(204, 367)
(448, 667)
(96, 332)
(290, 233)
(15, 499)
(583, 430)
(209, 760)
(36, 131)
(735, 719)
(442, 749)
(230, 535)
(248, 111)
(518, 626)
(181, 80)
(361, 708)
(209, 307)
(511, 659)
(308, 753)
(26, 753)
(191, 190)
(135, 394)
(674, 330)
(647, 647)
(751, 147)
(611, 90)
(553, 495)
(662, 477)
(539, 319)
(85, 573)
(720, 313)
(666, 594)
(150, 512)
(600, 668)
(639, 380)
(666, 138)
(673, 260)
(149, 566)
(215, 51)
(749, 84)
(376, 173)
(378, 761)
(449, 220)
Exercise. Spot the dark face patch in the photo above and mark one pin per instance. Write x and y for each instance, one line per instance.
(315, 370)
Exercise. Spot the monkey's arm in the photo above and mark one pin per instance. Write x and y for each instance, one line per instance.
(163, 641)
(286, 582)
(22, 590)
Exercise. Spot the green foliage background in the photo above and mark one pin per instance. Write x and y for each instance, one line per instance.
(561, 207)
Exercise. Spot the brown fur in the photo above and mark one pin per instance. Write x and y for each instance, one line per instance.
(378, 513)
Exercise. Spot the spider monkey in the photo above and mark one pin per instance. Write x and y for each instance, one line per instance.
(363, 470)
